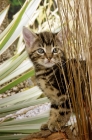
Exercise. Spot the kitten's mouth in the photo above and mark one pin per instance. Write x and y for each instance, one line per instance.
(49, 64)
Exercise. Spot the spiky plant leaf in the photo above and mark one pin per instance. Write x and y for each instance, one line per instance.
(19, 21)
(3, 14)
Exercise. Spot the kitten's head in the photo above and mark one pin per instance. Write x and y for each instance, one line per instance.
(44, 48)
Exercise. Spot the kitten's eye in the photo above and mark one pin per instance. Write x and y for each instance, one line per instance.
(55, 50)
(40, 50)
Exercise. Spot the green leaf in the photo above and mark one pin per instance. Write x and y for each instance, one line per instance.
(38, 119)
(22, 96)
(14, 64)
(18, 19)
(20, 128)
(18, 23)
(3, 14)
(12, 137)
(17, 81)
(22, 68)
(16, 107)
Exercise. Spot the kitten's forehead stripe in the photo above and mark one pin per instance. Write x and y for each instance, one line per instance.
(47, 38)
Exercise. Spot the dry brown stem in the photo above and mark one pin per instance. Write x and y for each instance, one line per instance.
(45, 135)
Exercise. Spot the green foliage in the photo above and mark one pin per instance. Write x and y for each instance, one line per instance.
(15, 6)
(17, 2)
(13, 68)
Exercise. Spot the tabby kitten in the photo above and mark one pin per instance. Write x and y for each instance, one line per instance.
(47, 54)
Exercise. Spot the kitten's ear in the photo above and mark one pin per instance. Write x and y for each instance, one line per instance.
(29, 37)
(59, 36)
(62, 34)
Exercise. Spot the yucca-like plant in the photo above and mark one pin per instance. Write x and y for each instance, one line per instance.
(12, 68)
(18, 68)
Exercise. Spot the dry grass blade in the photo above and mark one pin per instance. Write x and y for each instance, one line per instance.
(76, 16)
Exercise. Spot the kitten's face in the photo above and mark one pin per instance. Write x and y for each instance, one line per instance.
(44, 48)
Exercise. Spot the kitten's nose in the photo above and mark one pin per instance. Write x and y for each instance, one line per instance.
(49, 58)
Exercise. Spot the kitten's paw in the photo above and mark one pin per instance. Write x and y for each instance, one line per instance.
(70, 135)
(74, 129)
(44, 127)
(54, 126)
